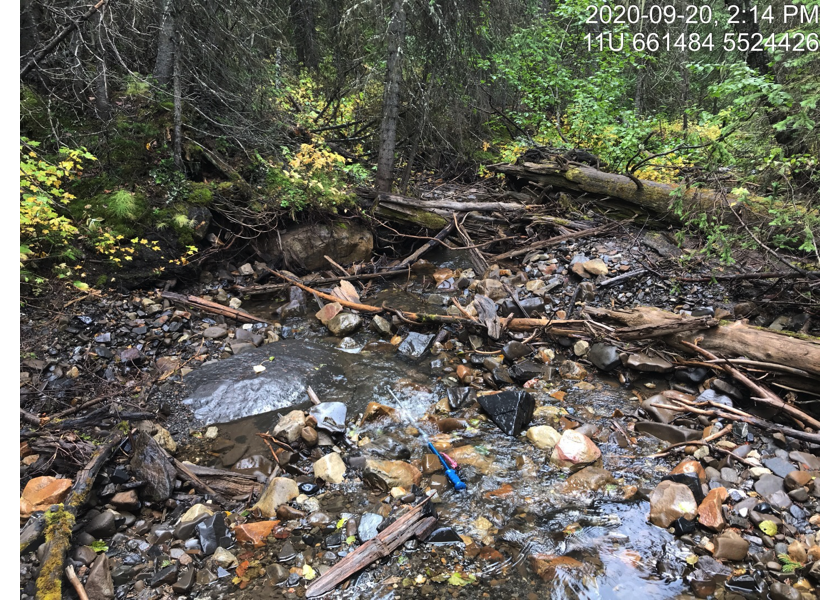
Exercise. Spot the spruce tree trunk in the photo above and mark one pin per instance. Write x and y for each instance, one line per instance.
(306, 44)
(391, 98)
(165, 61)
(176, 110)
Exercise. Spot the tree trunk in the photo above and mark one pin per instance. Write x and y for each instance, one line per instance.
(306, 44)
(165, 62)
(29, 38)
(176, 109)
(391, 98)
(100, 86)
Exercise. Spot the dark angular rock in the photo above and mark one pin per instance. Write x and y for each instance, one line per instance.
(443, 537)
(510, 411)
(768, 485)
(691, 480)
(691, 375)
(604, 357)
(368, 526)
(102, 526)
(212, 533)
(185, 581)
(682, 526)
(460, 397)
(167, 575)
(669, 433)
(527, 370)
(151, 464)
(712, 396)
(415, 344)
(779, 466)
(515, 350)
(186, 530)
(100, 585)
(330, 416)
(501, 376)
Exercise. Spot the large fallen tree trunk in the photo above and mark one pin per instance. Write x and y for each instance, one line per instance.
(651, 195)
(727, 339)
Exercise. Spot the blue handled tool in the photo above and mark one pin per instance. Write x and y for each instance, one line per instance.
(448, 471)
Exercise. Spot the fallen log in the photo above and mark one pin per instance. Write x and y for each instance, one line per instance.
(452, 205)
(652, 195)
(727, 339)
(212, 307)
(59, 523)
(381, 546)
(643, 332)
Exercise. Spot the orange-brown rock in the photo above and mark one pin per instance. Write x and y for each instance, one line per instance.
(464, 373)
(374, 411)
(690, 466)
(467, 455)
(490, 554)
(254, 533)
(387, 474)
(41, 493)
(501, 492)
(443, 274)
(709, 510)
(546, 565)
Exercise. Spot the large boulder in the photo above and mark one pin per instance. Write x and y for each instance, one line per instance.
(304, 246)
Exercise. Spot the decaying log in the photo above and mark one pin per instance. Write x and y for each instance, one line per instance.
(190, 477)
(727, 339)
(212, 307)
(643, 332)
(451, 205)
(60, 523)
(411, 215)
(652, 195)
(379, 547)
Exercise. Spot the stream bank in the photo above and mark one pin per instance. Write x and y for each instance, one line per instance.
(528, 525)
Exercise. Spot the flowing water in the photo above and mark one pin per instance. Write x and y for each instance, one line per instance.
(515, 502)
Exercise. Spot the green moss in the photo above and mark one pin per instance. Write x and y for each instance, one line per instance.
(200, 194)
(57, 536)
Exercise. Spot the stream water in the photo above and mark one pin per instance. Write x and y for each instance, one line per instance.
(516, 503)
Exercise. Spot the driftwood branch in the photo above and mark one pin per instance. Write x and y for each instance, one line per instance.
(379, 547)
(212, 307)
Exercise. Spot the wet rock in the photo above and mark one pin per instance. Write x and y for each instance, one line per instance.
(709, 511)
(430, 464)
(444, 536)
(516, 350)
(460, 397)
(276, 573)
(588, 479)
(544, 437)
(42, 492)
(604, 357)
(385, 447)
(381, 325)
(375, 411)
(256, 464)
(571, 370)
(691, 480)
(469, 456)
(450, 424)
(510, 411)
(387, 474)
(330, 468)
(254, 533)
(185, 582)
(669, 433)
(491, 288)
(663, 415)
(581, 348)
(289, 426)
(344, 324)
(212, 533)
(690, 466)
(280, 491)
(730, 546)
(330, 416)
(168, 575)
(546, 565)
(415, 344)
(670, 501)
(368, 526)
(329, 312)
(99, 585)
(648, 364)
(151, 464)
(573, 449)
